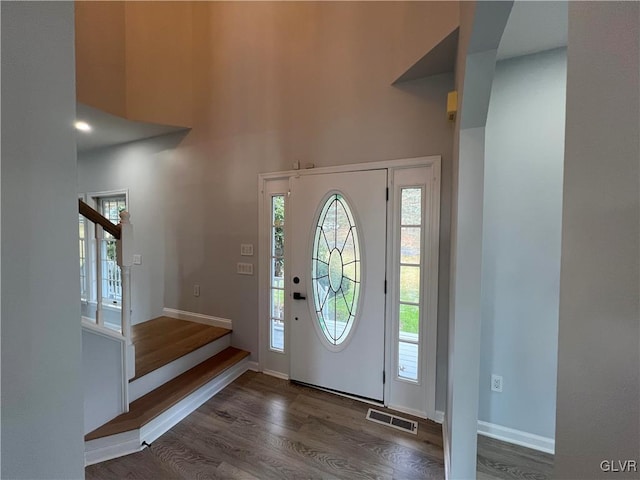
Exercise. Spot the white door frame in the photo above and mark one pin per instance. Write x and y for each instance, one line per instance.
(430, 292)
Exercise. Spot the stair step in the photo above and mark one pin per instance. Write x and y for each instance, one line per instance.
(148, 407)
(162, 340)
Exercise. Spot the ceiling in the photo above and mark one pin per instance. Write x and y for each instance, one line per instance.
(108, 130)
(440, 59)
(534, 27)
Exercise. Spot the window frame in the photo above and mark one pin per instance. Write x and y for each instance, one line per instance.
(273, 258)
(93, 200)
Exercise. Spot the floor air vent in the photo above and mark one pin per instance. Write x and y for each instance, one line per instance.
(392, 421)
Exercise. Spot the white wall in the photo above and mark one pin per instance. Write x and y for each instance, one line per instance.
(41, 343)
(598, 407)
(524, 157)
(138, 167)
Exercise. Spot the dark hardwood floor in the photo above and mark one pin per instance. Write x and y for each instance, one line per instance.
(502, 460)
(263, 427)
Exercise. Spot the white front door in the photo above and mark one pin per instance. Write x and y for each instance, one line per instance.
(337, 275)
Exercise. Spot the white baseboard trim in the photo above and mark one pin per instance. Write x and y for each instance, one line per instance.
(108, 448)
(273, 373)
(439, 417)
(253, 366)
(114, 446)
(447, 449)
(517, 437)
(198, 318)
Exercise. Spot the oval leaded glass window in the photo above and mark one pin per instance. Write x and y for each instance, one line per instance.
(336, 270)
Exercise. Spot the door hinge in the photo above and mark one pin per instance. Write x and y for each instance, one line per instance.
(384, 377)
(387, 194)
(385, 286)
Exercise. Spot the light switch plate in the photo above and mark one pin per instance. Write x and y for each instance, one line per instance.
(137, 259)
(246, 250)
(245, 268)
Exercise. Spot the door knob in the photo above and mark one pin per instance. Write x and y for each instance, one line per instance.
(297, 296)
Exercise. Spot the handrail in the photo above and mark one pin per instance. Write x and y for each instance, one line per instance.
(96, 217)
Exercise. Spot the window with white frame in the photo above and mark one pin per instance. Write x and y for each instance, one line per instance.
(276, 297)
(110, 207)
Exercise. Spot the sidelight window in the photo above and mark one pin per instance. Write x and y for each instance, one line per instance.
(277, 274)
(409, 311)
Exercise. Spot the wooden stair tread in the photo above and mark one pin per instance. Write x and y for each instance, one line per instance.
(148, 407)
(162, 340)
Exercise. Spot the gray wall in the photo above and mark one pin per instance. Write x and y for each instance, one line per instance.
(524, 157)
(138, 167)
(598, 407)
(481, 26)
(41, 342)
(102, 379)
(192, 204)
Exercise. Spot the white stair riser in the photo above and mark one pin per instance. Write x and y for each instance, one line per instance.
(162, 375)
(121, 444)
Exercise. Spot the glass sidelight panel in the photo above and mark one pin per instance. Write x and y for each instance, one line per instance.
(409, 283)
(409, 299)
(276, 328)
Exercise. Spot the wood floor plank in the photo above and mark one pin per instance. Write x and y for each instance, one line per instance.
(308, 449)
(502, 460)
(243, 453)
(140, 466)
(184, 460)
(163, 340)
(267, 428)
(148, 407)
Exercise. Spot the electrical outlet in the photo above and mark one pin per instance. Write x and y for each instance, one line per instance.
(196, 290)
(496, 383)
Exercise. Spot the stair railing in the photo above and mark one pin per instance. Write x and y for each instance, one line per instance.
(123, 234)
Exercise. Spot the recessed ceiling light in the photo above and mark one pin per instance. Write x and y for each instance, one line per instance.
(83, 126)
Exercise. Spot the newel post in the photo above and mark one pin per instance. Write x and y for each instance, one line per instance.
(124, 251)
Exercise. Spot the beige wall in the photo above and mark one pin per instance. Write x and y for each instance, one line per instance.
(159, 52)
(273, 83)
(134, 59)
(100, 55)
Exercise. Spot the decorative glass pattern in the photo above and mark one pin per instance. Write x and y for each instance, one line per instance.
(336, 270)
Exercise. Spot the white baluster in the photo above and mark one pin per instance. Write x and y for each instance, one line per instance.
(99, 236)
(124, 250)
